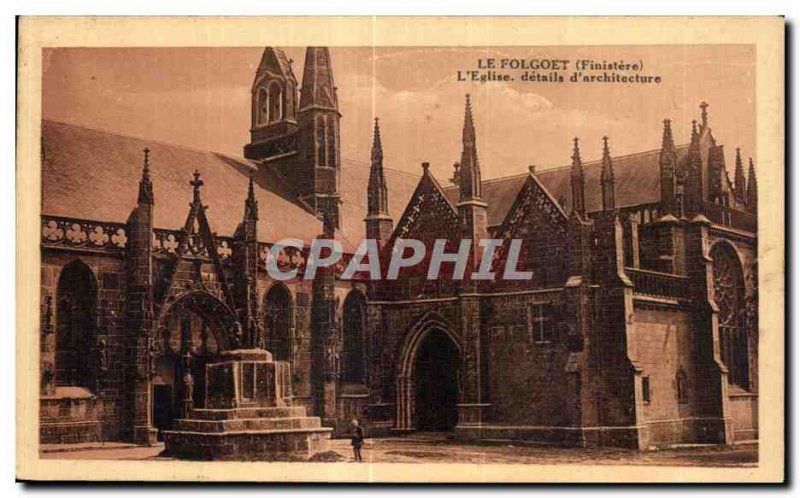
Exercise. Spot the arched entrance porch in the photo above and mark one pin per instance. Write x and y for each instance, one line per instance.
(191, 332)
(428, 384)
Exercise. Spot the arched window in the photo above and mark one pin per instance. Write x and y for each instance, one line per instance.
(321, 139)
(331, 141)
(278, 320)
(262, 113)
(275, 102)
(729, 296)
(354, 353)
(76, 324)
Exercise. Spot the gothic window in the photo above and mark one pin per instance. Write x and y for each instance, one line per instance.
(354, 353)
(331, 141)
(729, 296)
(646, 394)
(278, 320)
(262, 113)
(320, 141)
(76, 323)
(542, 328)
(275, 102)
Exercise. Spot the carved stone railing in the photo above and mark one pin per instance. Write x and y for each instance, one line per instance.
(94, 236)
(657, 284)
(168, 242)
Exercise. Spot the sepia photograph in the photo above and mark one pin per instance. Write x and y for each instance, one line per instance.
(477, 255)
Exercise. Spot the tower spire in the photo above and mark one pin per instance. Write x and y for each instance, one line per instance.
(318, 165)
(607, 178)
(752, 188)
(668, 162)
(739, 181)
(694, 176)
(146, 184)
(250, 204)
(469, 171)
(318, 90)
(577, 180)
(379, 225)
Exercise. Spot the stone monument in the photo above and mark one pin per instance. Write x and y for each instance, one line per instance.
(247, 415)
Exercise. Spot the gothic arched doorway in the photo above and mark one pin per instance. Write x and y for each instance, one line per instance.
(76, 324)
(429, 373)
(729, 296)
(278, 322)
(191, 333)
(436, 382)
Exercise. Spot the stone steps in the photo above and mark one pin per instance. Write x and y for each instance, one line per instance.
(247, 413)
(247, 424)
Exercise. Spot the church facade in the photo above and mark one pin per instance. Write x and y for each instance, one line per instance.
(638, 326)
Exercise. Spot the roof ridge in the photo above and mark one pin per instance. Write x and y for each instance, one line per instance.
(622, 156)
(145, 139)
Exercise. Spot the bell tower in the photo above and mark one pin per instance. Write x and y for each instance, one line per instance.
(273, 122)
(319, 158)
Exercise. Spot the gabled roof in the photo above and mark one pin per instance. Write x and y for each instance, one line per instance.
(637, 181)
(94, 175)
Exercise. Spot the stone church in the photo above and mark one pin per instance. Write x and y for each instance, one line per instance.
(638, 328)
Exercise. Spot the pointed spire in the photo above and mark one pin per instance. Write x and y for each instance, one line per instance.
(468, 132)
(668, 164)
(694, 143)
(739, 181)
(377, 193)
(469, 171)
(607, 178)
(668, 151)
(146, 184)
(693, 177)
(251, 205)
(577, 180)
(377, 148)
(318, 90)
(752, 188)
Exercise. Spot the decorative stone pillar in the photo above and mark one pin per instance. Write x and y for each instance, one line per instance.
(714, 423)
(139, 314)
(473, 402)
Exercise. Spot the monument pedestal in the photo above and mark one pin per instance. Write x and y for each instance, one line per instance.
(248, 415)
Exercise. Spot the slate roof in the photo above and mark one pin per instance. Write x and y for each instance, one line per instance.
(637, 181)
(94, 175)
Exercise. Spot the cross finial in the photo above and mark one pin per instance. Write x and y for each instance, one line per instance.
(704, 113)
(197, 182)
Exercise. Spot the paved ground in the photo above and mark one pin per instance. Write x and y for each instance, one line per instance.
(441, 448)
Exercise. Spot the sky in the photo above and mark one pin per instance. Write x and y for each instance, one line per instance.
(200, 98)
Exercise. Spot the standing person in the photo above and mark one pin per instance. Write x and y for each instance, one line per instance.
(356, 439)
